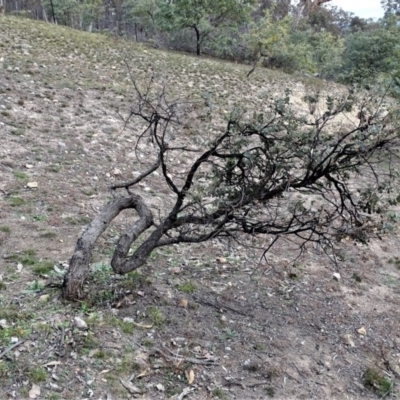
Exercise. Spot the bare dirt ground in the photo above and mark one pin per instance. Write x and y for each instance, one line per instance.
(198, 322)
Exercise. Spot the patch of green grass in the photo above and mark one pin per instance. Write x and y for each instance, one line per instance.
(270, 391)
(156, 315)
(37, 375)
(43, 267)
(100, 272)
(187, 287)
(39, 218)
(219, 393)
(20, 331)
(395, 261)
(20, 175)
(53, 396)
(17, 132)
(90, 342)
(228, 334)
(260, 347)
(55, 168)
(5, 229)
(148, 343)
(125, 326)
(34, 287)
(11, 313)
(16, 201)
(26, 257)
(44, 328)
(375, 381)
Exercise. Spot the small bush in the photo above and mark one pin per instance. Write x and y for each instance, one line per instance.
(375, 381)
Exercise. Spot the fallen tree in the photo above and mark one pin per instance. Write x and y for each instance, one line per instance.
(316, 177)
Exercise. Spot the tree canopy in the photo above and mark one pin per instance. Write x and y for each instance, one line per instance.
(203, 16)
(268, 171)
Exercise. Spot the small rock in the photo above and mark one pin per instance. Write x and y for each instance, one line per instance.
(34, 392)
(80, 323)
(3, 324)
(44, 298)
(32, 185)
(117, 172)
(160, 387)
(175, 270)
(336, 276)
(28, 166)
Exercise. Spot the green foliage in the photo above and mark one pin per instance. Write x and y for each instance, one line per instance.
(37, 375)
(16, 201)
(43, 267)
(188, 287)
(156, 315)
(293, 49)
(371, 54)
(75, 13)
(203, 16)
(374, 380)
(142, 13)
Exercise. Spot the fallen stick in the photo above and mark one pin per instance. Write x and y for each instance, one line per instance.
(9, 348)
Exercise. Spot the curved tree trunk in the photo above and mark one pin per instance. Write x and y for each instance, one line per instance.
(79, 263)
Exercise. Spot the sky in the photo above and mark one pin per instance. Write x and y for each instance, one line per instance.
(361, 8)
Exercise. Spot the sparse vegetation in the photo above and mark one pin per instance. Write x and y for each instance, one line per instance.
(187, 287)
(37, 375)
(238, 313)
(16, 201)
(375, 380)
(156, 316)
(5, 229)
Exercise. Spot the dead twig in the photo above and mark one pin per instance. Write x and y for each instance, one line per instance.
(217, 305)
(177, 357)
(9, 348)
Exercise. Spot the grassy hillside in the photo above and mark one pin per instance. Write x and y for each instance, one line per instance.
(198, 322)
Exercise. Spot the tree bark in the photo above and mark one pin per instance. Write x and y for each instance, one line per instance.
(198, 40)
(79, 263)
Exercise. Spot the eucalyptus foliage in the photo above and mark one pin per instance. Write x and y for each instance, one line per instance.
(203, 17)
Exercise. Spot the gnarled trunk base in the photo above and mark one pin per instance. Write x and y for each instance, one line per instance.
(79, 264)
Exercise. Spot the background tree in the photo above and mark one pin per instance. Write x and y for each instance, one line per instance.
(372, 53)
(203, 16)
(391, 6)
(269, 171)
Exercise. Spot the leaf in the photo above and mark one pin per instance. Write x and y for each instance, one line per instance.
(144, 373)
(132, 389)
(362, 331)
(52, 364)
(190, 377)
(34, 392)
(142, 325)
(183, 303)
